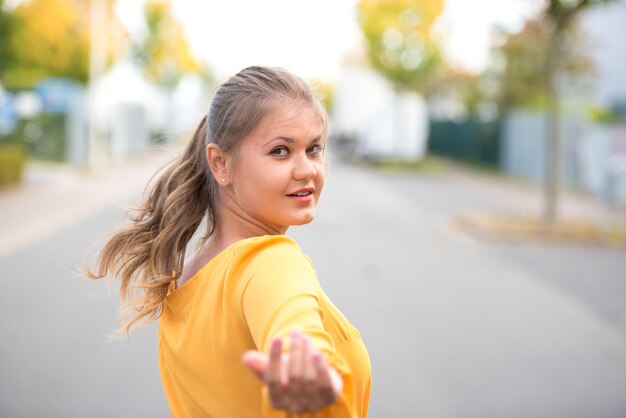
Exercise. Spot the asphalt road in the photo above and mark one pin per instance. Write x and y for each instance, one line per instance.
(455, 327)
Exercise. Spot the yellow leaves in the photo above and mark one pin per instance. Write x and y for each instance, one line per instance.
(166, 51)
(325, 91)
(183, 56)
(52, 38)
(406, 16)
(50, 34)
(399, 41)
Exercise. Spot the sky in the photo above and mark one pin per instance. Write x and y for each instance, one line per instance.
(312, 38)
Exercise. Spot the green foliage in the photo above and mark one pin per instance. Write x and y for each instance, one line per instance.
(458, 85)
(6, 28)
(325, 92)
(563, 12)
(550, 48)
(524, 54)
(41, 137)
(398, 40)
(12, 159)
(603, 115)
(50, 38)
(527, 73)
(427, 166)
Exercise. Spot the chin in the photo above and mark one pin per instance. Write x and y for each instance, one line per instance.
(303, 220)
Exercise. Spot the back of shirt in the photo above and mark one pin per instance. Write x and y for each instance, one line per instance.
(252, 291)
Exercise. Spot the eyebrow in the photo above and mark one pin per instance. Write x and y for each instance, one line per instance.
(291, 140)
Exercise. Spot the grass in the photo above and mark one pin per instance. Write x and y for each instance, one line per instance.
(432, 164)
(504, 228)
(512, 228)
(427, 165)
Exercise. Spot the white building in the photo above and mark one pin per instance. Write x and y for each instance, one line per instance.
(374, 120)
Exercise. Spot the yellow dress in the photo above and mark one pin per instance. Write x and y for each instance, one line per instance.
(254, 290)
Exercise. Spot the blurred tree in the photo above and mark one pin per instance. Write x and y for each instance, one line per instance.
(524, 56)
(165, 54)
(6, 27)
(549, 52)
(459, 85)
(399, 41)
(325, 90)
(560, 15)
(50, 38)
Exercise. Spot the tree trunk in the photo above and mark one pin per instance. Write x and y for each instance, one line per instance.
(553, 146)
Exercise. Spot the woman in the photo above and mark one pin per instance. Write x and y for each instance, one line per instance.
(249, 298)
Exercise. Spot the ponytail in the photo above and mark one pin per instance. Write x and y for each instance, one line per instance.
(148, 255)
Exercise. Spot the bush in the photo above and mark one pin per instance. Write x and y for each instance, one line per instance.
(12, 159)
(42, 136)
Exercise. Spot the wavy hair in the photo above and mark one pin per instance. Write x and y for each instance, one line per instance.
(148, 253)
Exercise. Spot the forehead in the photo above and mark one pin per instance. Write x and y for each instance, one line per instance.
(297, 121)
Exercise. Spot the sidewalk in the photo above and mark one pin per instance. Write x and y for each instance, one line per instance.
(53, 196)
(529, 196)
(581, 218)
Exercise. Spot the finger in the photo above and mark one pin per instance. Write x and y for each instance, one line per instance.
(256, 362)
(308, 367)
(309, 376)
(295, 364)
(325, 386)
(295, 354)
(272, 373)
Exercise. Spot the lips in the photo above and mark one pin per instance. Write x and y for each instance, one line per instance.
(305, 191)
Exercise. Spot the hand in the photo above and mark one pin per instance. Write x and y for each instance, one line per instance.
(300, 381)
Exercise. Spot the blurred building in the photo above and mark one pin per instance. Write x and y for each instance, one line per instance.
(371, 120)
(605, 27)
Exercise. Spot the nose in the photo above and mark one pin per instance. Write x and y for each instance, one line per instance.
(304, 168)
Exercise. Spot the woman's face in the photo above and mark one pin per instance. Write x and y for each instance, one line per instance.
(279, 170)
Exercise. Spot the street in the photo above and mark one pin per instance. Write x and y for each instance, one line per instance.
(455, 327)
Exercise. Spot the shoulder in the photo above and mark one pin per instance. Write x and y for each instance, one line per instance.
(270, 251)
(272, 262)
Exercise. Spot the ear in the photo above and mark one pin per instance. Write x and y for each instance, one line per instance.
(219, 164)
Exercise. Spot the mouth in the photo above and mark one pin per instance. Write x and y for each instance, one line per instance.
(304, 192)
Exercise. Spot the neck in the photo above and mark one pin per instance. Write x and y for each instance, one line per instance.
(234, 225)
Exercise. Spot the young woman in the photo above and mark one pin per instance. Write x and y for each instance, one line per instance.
(244, 328)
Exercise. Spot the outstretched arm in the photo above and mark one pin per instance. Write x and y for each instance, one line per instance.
(299, 381)
(279, 294)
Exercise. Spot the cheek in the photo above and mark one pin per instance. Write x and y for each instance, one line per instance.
(260, 180)
(321, 172)
(320, 180)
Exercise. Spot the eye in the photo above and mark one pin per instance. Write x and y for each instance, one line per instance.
(280, 151)
(315, 149)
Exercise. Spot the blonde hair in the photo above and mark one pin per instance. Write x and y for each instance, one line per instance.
(148, 254)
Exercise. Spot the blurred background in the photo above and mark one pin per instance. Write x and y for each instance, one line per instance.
(474, 220)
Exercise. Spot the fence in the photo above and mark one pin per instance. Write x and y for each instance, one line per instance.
(472, 140)
(592, 157)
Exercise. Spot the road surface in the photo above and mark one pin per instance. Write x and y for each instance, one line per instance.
(455, 327)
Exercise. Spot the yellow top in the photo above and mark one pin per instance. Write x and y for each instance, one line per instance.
(254, 290)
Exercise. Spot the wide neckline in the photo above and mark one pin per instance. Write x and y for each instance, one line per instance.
(221, 254)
